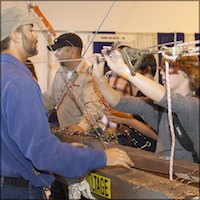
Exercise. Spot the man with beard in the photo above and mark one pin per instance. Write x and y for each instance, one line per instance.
(30, 154)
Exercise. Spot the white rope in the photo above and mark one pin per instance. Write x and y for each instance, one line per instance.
(170, 122)
(189, 43)
(78, 189)
(163, 44)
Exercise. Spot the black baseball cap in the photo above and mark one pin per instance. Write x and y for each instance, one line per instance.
(67, 39)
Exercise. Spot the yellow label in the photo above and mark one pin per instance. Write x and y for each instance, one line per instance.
(99, 185)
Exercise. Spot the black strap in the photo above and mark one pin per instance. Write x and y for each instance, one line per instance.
(183, 137)
(159, 118)
(160, 113)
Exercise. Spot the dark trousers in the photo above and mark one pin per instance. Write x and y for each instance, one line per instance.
(9, 191)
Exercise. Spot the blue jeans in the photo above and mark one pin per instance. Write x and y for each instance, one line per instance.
(16, 192)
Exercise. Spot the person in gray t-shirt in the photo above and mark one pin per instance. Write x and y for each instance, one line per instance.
(184, 79)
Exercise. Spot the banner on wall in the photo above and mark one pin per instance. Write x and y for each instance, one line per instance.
(124, 38)
(103, 39)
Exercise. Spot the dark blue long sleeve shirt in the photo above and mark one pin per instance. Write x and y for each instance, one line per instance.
(28, 149)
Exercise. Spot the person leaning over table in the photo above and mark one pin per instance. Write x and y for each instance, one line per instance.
(184, 79)
(30, 154)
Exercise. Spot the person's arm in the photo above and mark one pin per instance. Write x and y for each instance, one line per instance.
(34, 140)
(136, 124)
(74, 129)
(116, 156)
(112, 96)
(148, 87)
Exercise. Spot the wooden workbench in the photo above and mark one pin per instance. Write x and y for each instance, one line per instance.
(147, 180)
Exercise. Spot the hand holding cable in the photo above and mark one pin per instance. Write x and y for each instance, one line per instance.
(116, 63)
